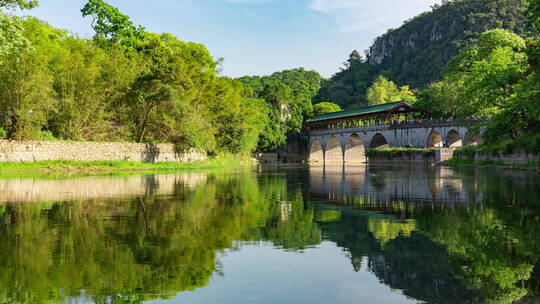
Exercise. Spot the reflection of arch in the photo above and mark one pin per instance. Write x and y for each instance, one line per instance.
(316, 154)
(453, 139)
(334, 153)
(354, 151)
(434, 180)
(434, 140)
(316, 177)
(472, 138)
(378, 141)
(354, 177)
(333, 178)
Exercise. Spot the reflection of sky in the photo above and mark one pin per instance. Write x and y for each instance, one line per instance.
(263, 274)
(258, 36)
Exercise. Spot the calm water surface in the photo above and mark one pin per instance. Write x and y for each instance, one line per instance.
(274, 235)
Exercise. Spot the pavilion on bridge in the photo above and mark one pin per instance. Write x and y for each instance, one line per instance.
(383, 114)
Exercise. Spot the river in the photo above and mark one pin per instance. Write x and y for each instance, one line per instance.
(288, 234)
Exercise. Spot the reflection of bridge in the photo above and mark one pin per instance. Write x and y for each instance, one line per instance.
(380, 185)
(344, 136)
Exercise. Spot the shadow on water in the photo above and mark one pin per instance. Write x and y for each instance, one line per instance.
(439, 235)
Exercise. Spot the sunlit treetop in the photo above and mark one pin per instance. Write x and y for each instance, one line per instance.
(24, 4)
(111, 25)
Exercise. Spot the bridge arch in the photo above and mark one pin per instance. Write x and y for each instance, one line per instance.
(333, 153)
(355, 150)
(453, 139)
(378, 141)
(434, 140)
(472, 138)
(316, 152)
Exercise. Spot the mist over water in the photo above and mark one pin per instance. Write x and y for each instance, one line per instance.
(369, 234)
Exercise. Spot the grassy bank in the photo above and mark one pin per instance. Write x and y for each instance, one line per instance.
(115, 166)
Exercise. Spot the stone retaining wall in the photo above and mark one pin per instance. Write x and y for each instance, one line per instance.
(515, 158)
(29, 151)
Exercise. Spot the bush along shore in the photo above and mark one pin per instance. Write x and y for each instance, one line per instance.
(416, 155)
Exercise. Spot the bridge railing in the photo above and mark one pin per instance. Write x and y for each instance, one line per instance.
(396, 125)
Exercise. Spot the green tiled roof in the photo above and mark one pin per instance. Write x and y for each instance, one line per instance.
(359, 111)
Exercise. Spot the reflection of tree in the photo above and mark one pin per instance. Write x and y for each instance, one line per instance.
(486, 251)
(399, 257)
(420, 268)
(385, 230)
(133, 250)
(298, 231)
(494, 251)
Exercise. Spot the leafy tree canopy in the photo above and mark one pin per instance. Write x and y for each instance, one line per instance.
(416, 53)
(325, 107)
(111, 25)
(23, 4)
(385, 91)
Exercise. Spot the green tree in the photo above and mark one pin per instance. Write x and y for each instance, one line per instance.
(111, 25)
(25, 87)
(325, 107)
(288, 95)
(22, 4)
(385, 91)
(488, 72)
(12, 40)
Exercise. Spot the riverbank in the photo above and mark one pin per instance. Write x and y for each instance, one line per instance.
(528, 166)
(88, 167)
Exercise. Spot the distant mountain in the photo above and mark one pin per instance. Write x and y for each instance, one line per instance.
(416, 53)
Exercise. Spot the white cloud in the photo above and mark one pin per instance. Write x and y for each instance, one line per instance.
(374, 16)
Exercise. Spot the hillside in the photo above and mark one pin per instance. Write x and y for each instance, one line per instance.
(416, 53)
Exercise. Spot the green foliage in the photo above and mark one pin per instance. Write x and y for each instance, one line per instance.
(494, 79)
(128, 85)
(533, 14)
(391, 153)
(325, 107)
(384, 91)
(111, 25)
(288, 95)
(3, 134)
(22, 4)
(416, 53)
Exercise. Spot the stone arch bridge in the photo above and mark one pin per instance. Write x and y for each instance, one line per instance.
(343, 137)
(349, 144)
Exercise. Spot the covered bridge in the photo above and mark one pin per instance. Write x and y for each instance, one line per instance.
(344, 136)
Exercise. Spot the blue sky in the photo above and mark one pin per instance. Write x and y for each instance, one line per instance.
(257, 37)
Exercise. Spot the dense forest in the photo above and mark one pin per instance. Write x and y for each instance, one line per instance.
(127, 84)
(465, 59)
(289, 95)
(416, 53)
